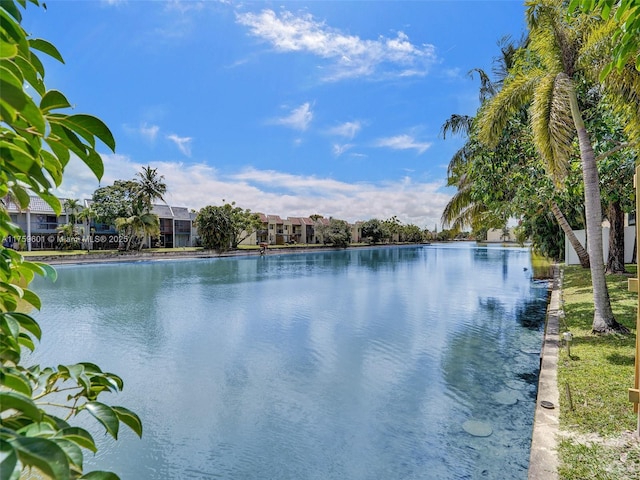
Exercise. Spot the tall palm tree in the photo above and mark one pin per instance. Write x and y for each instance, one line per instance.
(151, 187)
(462, 209)
(545, 77)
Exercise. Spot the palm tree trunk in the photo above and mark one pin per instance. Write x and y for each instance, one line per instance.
(615, 260)
(603, 318)
(582, 253)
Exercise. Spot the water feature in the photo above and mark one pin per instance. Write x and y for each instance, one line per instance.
(359, 364)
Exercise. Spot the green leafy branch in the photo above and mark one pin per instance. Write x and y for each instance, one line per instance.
(37, 140)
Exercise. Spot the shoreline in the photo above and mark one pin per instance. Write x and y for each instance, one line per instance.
(543, 460)
(130, 257)
(177, 254)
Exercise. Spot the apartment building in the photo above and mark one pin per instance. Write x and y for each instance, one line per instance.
(292, 230)
(278, 231)
(177, 228)
(40, 226)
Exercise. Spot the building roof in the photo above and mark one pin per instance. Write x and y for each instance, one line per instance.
(163, 211)
(36, 205)
(181, 213)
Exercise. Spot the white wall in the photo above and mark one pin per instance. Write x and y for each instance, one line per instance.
(497, 235)
(571, 258)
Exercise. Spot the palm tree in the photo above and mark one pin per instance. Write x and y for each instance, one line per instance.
(86, 215)
(150, 187)
(71, 207)
(462, 209)
(67, 237)
(546, 77)
(137, 227)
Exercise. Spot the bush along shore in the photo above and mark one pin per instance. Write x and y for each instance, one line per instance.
(598, 438)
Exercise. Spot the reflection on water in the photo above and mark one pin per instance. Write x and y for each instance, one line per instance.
(357, 364)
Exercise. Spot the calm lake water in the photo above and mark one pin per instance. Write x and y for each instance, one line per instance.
(358, 364)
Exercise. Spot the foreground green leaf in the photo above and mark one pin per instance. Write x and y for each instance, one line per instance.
(8, 460)
(15, 380)
(21, 403)
(79, 436)
(129, 418)
(42, 454)
(105, 415)
(99, 475)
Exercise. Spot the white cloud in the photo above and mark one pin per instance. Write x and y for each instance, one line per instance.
(403, 142)
(179, 21)
(183, 143)
(298, 119)
(182, 7)
(347, 129)
(273, 192)
(293, 183)
(349, 55)
(79, 182)
(339, 149)
(149, 132)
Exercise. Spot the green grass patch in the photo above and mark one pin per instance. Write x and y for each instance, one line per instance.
(52, 253)
(598, 374)
(594, 461)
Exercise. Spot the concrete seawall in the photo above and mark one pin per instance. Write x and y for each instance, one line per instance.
(543, 462)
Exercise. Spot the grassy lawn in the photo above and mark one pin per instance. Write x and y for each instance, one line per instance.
(596, 424)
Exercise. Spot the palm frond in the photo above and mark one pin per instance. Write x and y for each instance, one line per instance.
(487, 88)
(546, 50)
(456, 124)
(460, 201)
(459, 161)
(472, 216)
(622, 89)
(463, 210)
(598, 41)
(552, 124)
(494, 115)
(510, 51)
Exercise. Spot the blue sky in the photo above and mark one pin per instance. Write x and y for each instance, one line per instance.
(287, 108)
